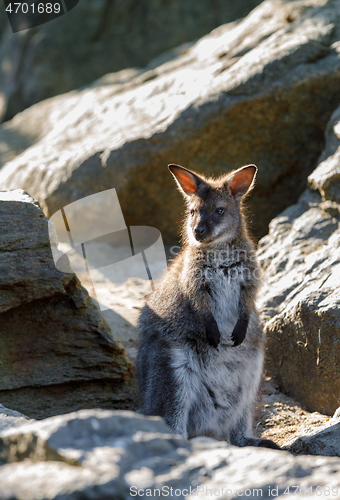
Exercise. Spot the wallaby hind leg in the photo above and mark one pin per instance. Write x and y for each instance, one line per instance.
(240, 435)
(165, 383)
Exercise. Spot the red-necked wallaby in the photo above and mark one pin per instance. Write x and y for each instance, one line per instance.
(201, 345)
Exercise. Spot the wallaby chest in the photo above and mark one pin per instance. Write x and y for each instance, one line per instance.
(223, 283)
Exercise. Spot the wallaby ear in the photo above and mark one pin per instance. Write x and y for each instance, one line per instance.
(187, 181)
(240, 181)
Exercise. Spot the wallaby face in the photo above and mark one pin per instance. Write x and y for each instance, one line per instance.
(201, 344)
(213, 207)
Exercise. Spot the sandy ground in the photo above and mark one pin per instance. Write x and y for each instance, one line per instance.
(278, 417)
(281, 418)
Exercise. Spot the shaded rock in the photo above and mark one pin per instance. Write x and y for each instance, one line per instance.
(320, 440)
(106, 454)
(3, 20)
(260, 90)
(326, 177)
(300, 297)
(97, 37)
(325, 442)
(57, 352)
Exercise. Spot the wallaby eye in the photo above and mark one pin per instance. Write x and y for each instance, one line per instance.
(192, 212)
(219, 211)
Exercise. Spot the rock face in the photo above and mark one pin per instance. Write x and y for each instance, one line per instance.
(301, 298)
(321, 440)
(106, 454)
(57, 353)
(257, 91)
(103, 37)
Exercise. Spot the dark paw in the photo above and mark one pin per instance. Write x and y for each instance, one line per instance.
(240, 329)
(267, 443)
(212, 332)
(240, 440)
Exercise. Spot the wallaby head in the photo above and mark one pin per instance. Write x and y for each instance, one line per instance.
(214, 212)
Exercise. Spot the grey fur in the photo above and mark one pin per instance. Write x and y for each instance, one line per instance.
(201, 344)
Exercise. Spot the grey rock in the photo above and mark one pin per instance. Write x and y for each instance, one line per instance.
(106, 454)
(300, 298)
(10, 418)
(257, 91)
(319, 440)
(57, 352)
(27, 128)
(97, 37)
(326, 177)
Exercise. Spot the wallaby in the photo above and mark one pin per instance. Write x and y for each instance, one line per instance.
(201, 345)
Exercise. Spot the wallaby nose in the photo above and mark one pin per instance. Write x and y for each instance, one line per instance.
(200, 231)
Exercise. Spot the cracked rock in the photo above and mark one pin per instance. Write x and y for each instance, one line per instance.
(300, 297)
(57, 353)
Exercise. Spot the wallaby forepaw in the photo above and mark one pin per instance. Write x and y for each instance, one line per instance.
(240, 329)
(238, 337)
(212, 332)
(213, 338)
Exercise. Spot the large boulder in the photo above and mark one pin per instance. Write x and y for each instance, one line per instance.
(256, 91)
(300, 298)
(106, 454)
(57, 353)
(97, 37)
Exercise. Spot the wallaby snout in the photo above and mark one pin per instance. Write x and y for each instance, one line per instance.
(200, 232)
(201, 226)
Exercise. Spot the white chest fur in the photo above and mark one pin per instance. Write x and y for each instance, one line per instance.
(225, 294)
(216, 392)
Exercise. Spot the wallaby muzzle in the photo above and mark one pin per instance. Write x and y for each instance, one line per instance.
(200, 232)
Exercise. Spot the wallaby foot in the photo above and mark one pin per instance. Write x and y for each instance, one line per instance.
(259, 442)
(267, 443)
